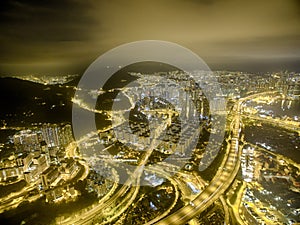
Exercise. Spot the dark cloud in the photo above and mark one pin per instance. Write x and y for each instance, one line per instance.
(40, 33)
(65, 36)
(43, 21)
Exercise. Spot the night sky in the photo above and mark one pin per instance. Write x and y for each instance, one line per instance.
(64, 36)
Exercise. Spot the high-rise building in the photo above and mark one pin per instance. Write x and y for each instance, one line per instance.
(65, 135)
(51, 134)
(56, 136)
(26, 141)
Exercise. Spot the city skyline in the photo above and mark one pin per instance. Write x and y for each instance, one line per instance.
(163, 112)
(153, 167)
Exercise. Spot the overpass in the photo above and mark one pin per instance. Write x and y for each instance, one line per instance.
(219, 183)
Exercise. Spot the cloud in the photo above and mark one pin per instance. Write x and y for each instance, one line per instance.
(74, 32)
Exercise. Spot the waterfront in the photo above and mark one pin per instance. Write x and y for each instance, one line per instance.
(73, 186)
(277, 139)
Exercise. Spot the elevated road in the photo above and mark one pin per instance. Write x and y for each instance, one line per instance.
(123, 198)
(218, 185)
(294, 126)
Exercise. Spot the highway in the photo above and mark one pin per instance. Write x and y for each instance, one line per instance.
(124, 197)
(16, 198)
(116, 205)
(178, 183)
(219, 183)
(294, 126)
